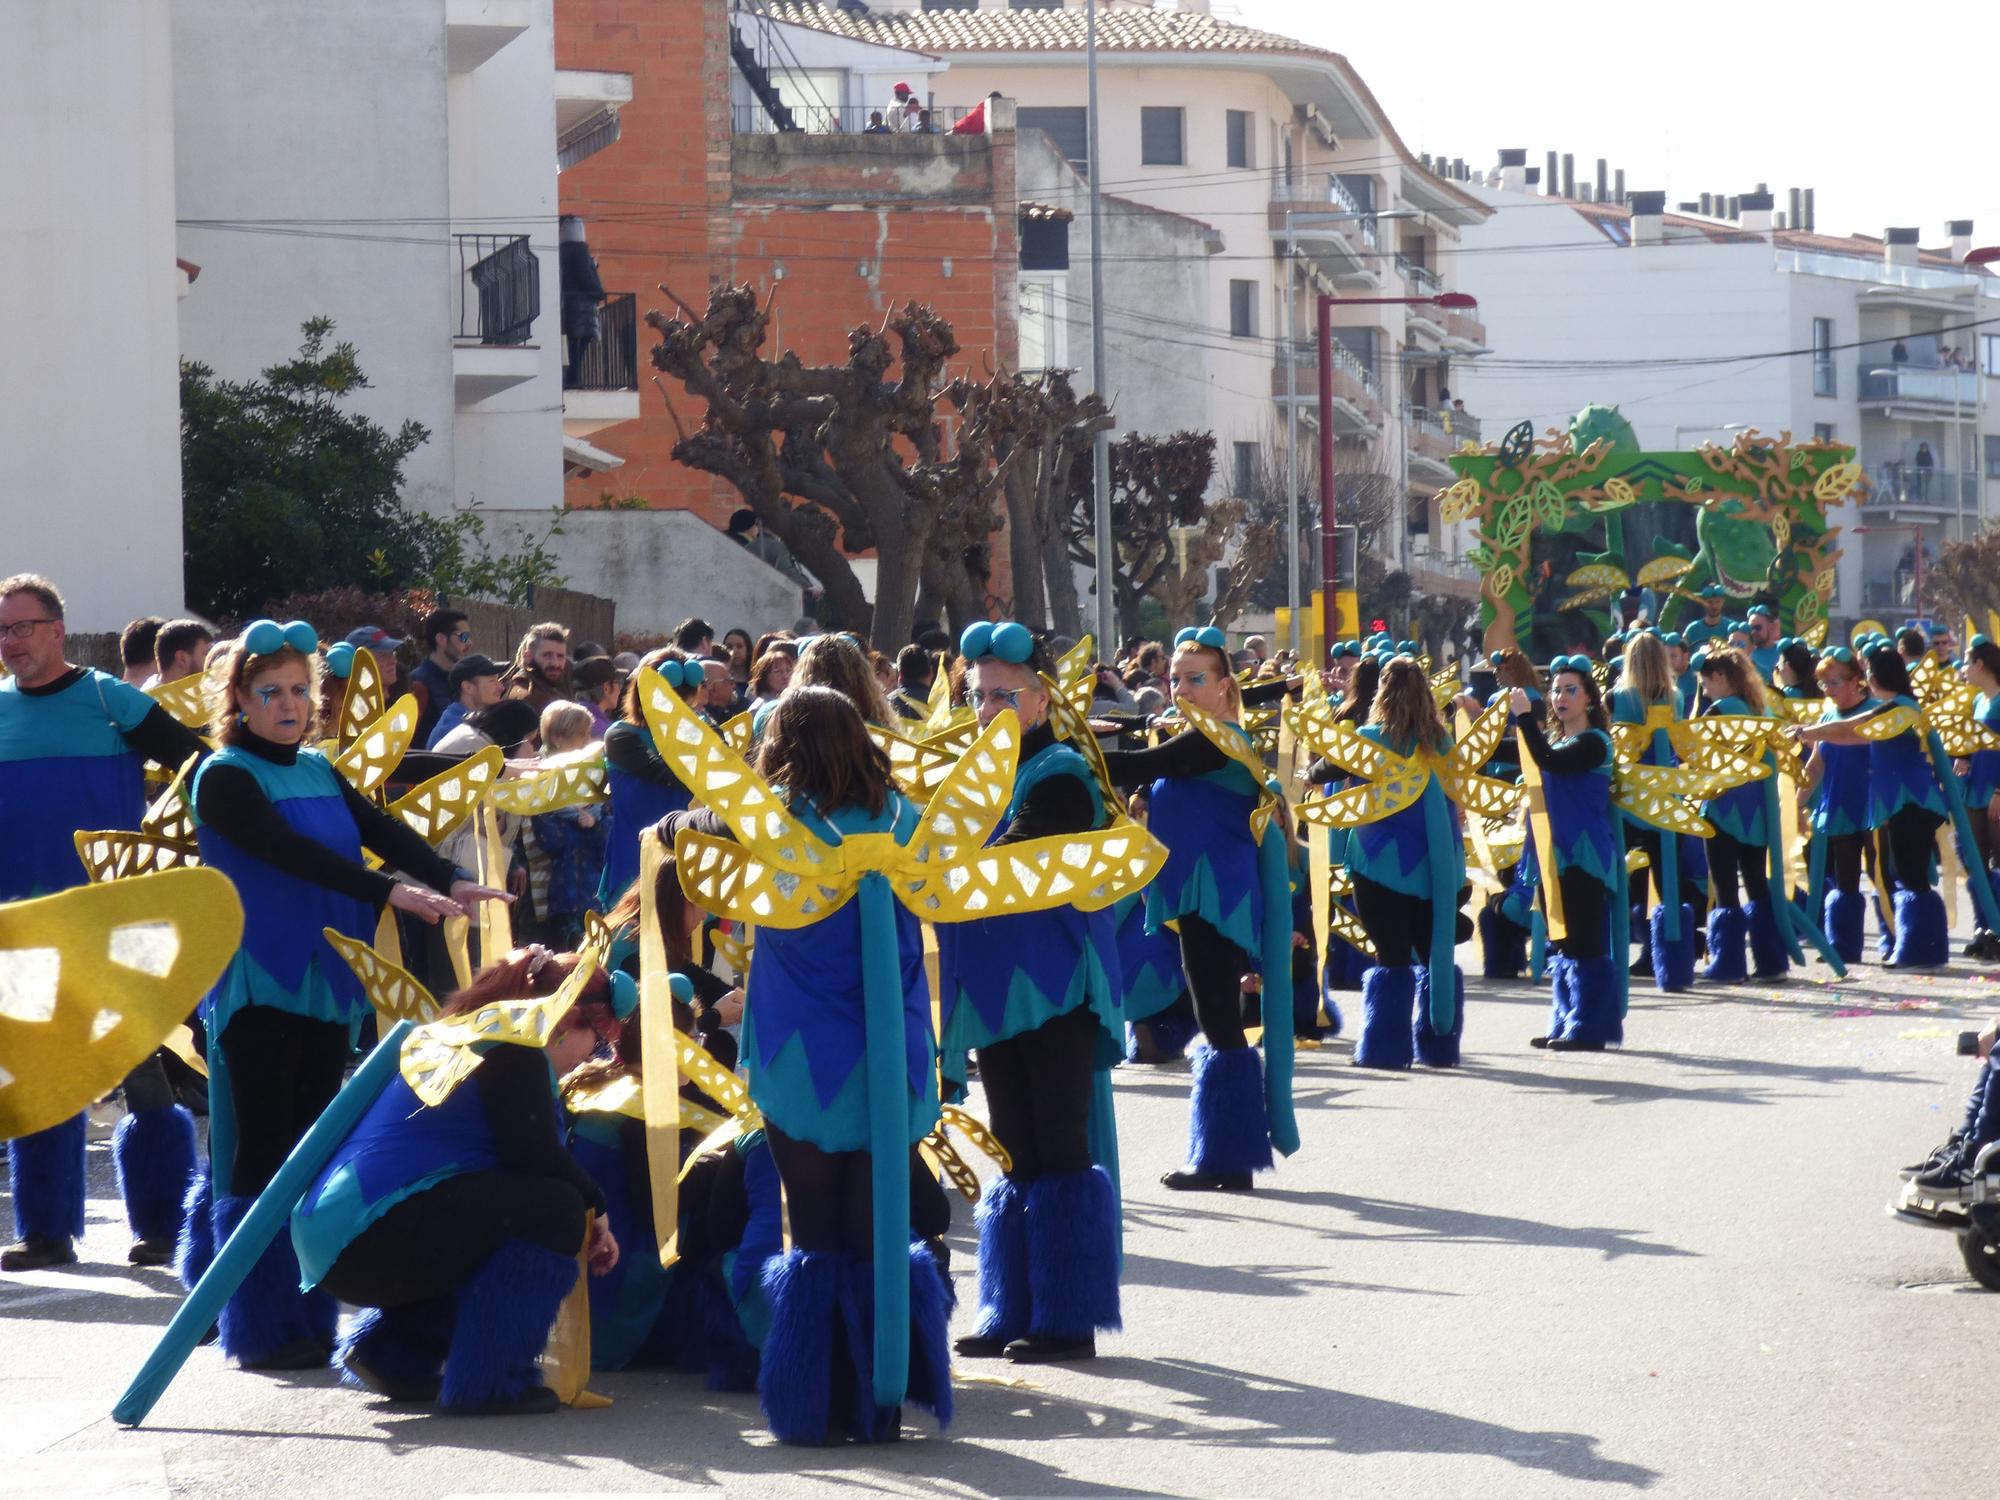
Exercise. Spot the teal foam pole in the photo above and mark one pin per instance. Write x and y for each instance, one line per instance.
(1275, 967)
(886, 1070)
(264, 1223)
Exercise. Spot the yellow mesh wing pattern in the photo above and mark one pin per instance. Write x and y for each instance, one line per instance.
(1086, 870)
(1889, 723)
(953, 738)
(1481, 796)
(392, 990)
(378, 749)
(1658, 795)
(1075, 663)
(919, 770)
(435, 807)
(1476, 746)
(551, 788)
(734, 949)
(1347, 926)
(93, 979)
(739, 733)
(169, 817)
(364, 702)
(968, 805)
(723, 877)
(1073, 724)
(185, 699)
(115, 854)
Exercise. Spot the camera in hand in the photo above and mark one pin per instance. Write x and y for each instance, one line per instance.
(1968, 1044)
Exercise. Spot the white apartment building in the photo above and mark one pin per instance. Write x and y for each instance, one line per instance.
(1854, 339)
(1242, 173)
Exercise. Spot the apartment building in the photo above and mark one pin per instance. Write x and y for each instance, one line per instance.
(1734, 312)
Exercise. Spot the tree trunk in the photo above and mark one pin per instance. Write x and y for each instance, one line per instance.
(1024, 547)
(1065, 613)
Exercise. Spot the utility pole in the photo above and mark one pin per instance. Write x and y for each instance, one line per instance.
(1100, 448)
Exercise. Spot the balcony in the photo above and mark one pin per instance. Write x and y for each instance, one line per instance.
(1931, 386)
(1463, 332)
(1435, 572)
(837, 119)
(602, 388)
(1430, 438)
(496, 297)
(1422, 283)
(1345, 248)
(1357, 394)
(1913, 487)
(587, 105)
(476, 29)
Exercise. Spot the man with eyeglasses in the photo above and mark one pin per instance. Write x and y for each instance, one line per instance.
(447, 639)
(73, 746)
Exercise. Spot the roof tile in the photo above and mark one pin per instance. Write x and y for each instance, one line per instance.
(1039, 30)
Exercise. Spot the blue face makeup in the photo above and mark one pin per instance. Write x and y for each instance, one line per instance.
(269, 695)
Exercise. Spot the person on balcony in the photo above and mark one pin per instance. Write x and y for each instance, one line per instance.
(875, 125)
(582, 293)
(1899, 353)
(1923, 460)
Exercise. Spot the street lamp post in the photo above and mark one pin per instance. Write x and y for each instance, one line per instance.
(1329, 548)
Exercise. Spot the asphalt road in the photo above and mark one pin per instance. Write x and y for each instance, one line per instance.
(1665, 1269)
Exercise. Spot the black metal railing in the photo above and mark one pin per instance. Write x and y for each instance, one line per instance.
(611, 362)
(499, 288)
(839, 119)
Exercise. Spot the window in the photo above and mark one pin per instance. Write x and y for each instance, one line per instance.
(1239, 138)
(1044, 323)
(951, 4)
(1044, 243)
(1248, 472)
(1068, 125)
(1822, 432)
(1990, 360)
(1992, 456)
(1030, 5)
(1822, 345)
(1160, 136)
(1243, 309)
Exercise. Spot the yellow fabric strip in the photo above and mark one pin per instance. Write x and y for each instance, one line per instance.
(661, 1085)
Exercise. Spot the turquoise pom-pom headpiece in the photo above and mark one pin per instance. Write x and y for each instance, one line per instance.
(682, 674)
(1004, 640)
(624, 994)
(268, 637)
(1210, 636)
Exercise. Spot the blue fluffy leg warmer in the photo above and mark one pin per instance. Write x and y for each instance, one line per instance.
(1388, 1000)
(1002, 1221)
(1844, 913)
(930, 1328)
(1726, 934)
(267, 1315)
(1228, 1129)
(795, 1383)
(153, 1150)
(1073, 1254)
(197, 1240)
(714, 1324)
(1562, 993)
(1767, 946)
(1594, 1017)
(45, 1172)
(402, 1348)
(1921, 939)
(1436, 1049)
(1503, 947)
(505, 1311)
(929, 1381)
(1673, 961)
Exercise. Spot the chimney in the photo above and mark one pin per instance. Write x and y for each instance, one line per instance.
(1708, 205)
(1603, 179)
(1618, 185)
(1648, 217)
(1781, 222)
(1754, 212)
(1812, 214)
(1899, 247)
(1533, 177)
(1513, 168)
(1569, 175)
(1735, 207)
(1553, 181)
(1797, 215)
(1960, 231)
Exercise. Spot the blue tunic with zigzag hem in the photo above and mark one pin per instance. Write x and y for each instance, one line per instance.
(1840, 805)
(1982, 772)
(634, 805)
(1148, 962)
(1211, 866)
(65, 766)
(804, 1017)
(1899, 772)
(285, 961)
(1579, 806)
(1740, 811)
(1395, 851)
(1000, 977)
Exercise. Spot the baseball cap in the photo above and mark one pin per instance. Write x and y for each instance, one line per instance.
(372, 638)
(470, 666)
(902, 88)
(627, 662)
(595, 671)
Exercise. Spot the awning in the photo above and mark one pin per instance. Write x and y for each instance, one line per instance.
(580, 457)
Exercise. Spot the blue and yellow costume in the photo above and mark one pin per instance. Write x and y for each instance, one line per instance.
(1679, 862)
(1907, 805)
(72, 757)
(642, 789)
(1149, 963)
(1745, 819)
(1841, 825)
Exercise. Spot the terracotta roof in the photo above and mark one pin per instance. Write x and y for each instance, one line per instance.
(1723, 232)
(1039, 30)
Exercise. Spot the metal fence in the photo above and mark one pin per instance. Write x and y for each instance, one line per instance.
(612, 362)
(499, 288)
(841, 119)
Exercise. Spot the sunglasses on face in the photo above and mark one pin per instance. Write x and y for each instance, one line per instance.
(465, 635)
(980, 697)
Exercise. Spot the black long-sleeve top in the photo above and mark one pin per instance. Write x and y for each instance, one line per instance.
(158, 737)
(1573, 757)
(1269, 690)
(526, 1122)
(229, 800)
(629, 748)
(1189, 753)
(1053, 805)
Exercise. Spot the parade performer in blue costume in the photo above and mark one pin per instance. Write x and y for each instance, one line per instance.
(1646, 695)
(1408, 868)
(1797, 670)
(1711, 628)
(1576, 772)
(805, 1040)
(1686, 684)
(1762, 624)
(1980, 774)
(1345, 964)
(1037, 994)
(1159, 1017)
(73, 744)
(455, 1228)
(1906, 807)
(288, 830)
(1744, 818)
(643, 789)
(1839, 774)
(1226, 893)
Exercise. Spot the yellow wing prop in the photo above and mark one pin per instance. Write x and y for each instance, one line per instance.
(1218, 735)
(169, 816)
(92, 980)
(1889, 723)
(1074, 664)
(377, 750)
(115, 854)
(1071, 720)
(917, 767)
(739, 734)
(438, 1057)
(734, 949)
(436, 807)
(392, 990)
(553, 787)
(363, 703)
(185, 699)
(624, 1095)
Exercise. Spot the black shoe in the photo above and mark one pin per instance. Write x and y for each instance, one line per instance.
(151, 1253)
(373, 1379)
(1186, 1181)
(1946, 1182)
(975, 1346)
(536, 1401)
(1939, 1155)
(1539, 1041)
(1039, 1350)
(1642, 967)
(38, 1254)
(1572, 1044)
(299, 1354)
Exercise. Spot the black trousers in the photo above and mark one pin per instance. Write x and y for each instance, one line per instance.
(429, 1244)
(1038, 1094)
(1398, 925)
(1730, 862)
(1215, 968)
(1907, 842)
(1587, 933)
(283, 1071)
(148, 1087)
(831, 1200)
(1843, 860)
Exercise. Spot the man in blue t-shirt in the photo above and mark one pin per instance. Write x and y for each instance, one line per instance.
(1763, 623)
(1711, 626)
